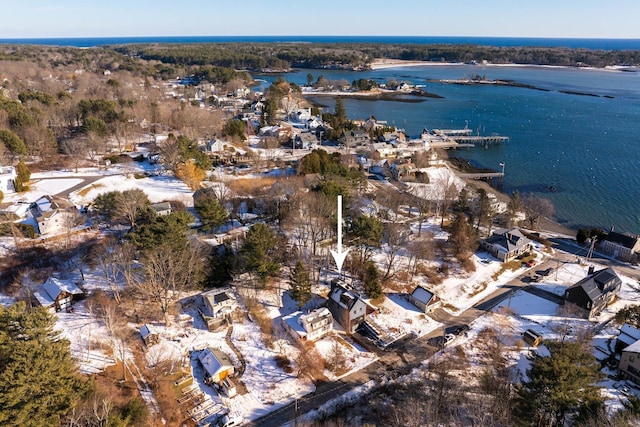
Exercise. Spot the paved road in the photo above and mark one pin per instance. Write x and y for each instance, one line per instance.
(409, 354)
(86, 180)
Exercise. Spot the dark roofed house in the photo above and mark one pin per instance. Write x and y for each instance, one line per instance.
(217, 307)
(507, 244)
(593, 293)
(424, 299)
(623, 246)
(346, 307)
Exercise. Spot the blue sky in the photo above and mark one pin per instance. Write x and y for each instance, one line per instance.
(509, 18)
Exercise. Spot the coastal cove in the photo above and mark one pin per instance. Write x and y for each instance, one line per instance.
(584, 148)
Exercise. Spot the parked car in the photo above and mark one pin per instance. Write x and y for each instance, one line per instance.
(230, 420)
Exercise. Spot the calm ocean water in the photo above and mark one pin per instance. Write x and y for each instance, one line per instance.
(587, 147)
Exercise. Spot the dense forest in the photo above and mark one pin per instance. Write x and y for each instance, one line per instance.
(264, 56)
(165, 60)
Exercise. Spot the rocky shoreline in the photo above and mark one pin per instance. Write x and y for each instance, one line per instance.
(546, 225)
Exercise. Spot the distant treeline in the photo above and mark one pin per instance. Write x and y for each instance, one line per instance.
(170, 60)
(276, 56)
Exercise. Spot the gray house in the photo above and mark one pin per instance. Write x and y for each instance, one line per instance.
(593, 293)
(507, 244)
(217, 307)
(346, 307)
(624, 246)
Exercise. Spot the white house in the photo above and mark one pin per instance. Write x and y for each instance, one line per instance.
(311, 326)
(7, 177)
(423, 298)
(53, 214)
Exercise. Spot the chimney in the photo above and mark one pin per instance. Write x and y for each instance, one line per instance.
(591, 270)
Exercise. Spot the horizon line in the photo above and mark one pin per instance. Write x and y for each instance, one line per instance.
(311, 36)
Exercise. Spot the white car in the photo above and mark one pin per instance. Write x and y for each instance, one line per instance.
(230, 420)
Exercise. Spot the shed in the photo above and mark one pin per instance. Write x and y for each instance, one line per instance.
(532, 337)
(149, 335)
(424, 299)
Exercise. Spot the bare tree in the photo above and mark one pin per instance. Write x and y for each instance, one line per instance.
(168, 273)
(76, 149)
(129, 204)
(396, 237)
(536, 208)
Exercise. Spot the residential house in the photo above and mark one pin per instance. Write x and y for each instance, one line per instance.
(507, 244)
(629, 366)
(53, 214)
(306, 140)
(424, 299)
(628, 335)
(217, 365)
(149, 335)
(383, 149)
(56, 295)
(354, 138)
(309, 327)
(593, 293)
(623, 246)
(7, 178)
(347, 307)
(218, 306)
(216, 146)
(162, 208)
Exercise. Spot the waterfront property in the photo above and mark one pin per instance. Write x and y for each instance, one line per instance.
(623, 246)
(593, 293)
(507, 244)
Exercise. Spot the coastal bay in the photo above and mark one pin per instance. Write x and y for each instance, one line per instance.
(585, 147)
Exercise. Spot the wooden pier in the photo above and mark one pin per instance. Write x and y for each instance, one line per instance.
(481, 175)
(491, 139)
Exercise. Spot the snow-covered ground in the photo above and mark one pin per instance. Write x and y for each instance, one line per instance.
(268, 385)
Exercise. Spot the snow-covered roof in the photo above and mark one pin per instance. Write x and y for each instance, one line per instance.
(422, 295)
(214, 361)
(633, 348)
(147, 330)
(629, 334)
(52, 288)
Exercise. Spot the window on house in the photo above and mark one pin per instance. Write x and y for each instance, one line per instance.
(631, 358)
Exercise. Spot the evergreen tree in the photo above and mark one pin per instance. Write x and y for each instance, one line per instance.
(559, 385)
(300, 286)
(39, 382)
(13, 143)
(212, 213)
(23, 174)
(461, 235)
(371, 280)
(259, 251)
(515, 205)
(340, 114)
